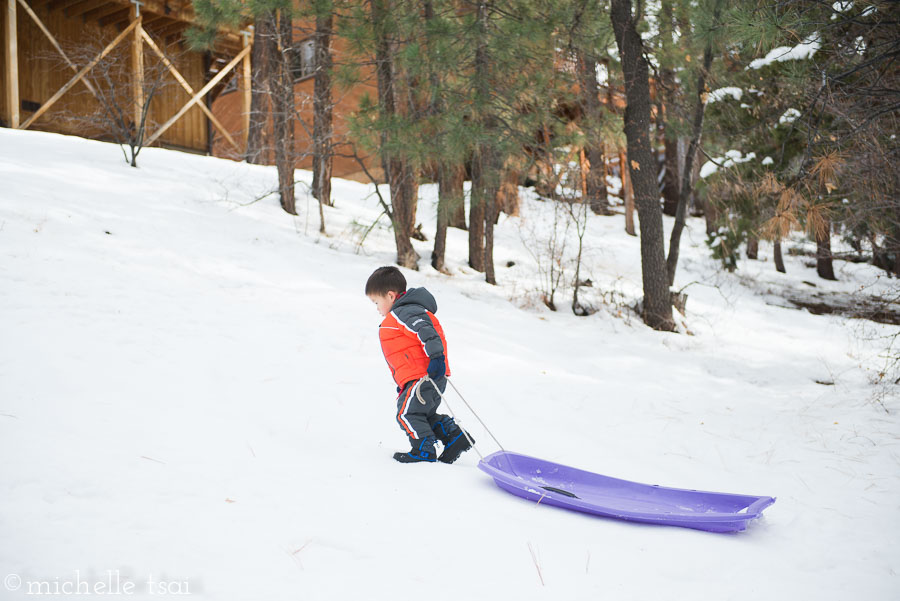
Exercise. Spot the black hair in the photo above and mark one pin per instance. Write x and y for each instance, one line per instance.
(385, 279)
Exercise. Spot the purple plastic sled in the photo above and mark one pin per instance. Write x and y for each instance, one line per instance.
(554, 484)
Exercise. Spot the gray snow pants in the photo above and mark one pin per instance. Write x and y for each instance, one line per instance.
(422, 420)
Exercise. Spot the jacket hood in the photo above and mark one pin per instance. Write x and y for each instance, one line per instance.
(417, 296)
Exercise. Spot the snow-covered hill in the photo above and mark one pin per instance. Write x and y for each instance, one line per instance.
(192, 391)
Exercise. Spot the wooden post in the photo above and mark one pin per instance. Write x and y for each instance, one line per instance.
(137, 65)
(78, 76)
(187, 87)
(247, 88)
(12, 65)
(199, 95)
(56, 45)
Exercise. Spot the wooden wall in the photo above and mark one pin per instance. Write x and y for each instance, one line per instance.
(4, 109)
(228, 109)
(42, 72)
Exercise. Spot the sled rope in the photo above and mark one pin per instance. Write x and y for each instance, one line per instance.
(453, 414)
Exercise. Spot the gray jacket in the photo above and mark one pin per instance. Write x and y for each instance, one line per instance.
(410, 310)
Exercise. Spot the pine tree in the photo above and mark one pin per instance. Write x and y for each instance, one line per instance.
(274, 18)
(657, 304)
(819, 111)
(323, 128)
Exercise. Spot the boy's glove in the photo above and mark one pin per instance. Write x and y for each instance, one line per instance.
(437, 367)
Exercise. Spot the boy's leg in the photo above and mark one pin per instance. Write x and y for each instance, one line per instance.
(445, 427)
(412, 415)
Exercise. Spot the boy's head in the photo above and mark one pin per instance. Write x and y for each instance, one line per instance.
(384, 286)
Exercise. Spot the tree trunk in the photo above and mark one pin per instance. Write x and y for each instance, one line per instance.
(282, 91)
(670, 180)
(476, 226)
(628, 193)
(444, 170)
(404, 191)
(687, 175)
(779, 259)
(695, 202)
(322, 113)
(595, 175)
(490, 215)
(508, 192)
(450, 196)
(892, 242)
(402, 183)
(455, 180)
(262, 57)
(666, 95)
(711, 212)
(824, 264)
(483, 157)
(657, 299)
(753, 248)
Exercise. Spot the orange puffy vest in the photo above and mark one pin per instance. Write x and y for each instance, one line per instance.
(403, 350)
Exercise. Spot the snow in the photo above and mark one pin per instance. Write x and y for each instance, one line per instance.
(602, 74)
(722, 93)
(191, 390)
(804, 50)
(731, 158)
(788, 117)
(842, 6)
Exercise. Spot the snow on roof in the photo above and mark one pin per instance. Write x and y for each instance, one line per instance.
(801, 51)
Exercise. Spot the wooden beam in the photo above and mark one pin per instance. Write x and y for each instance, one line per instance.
(56, 45)
(184, 11)
(150, 18)
(65, 5)
(171, 29)
(210, 85)
(120, 14)
(216, 91)
(102, 11)
(189, 89)
(83, 6)
(247, 87)
(137, 66)
(79, 75)
(12, 64)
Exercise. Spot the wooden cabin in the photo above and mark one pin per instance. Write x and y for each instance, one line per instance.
(51, 83)
(228, 108)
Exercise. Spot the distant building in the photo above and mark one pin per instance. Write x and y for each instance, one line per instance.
(43, 40)
(228, 108)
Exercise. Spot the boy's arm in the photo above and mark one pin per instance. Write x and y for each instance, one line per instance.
(417, 320)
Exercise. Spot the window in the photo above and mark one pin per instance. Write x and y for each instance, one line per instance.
(304, 60)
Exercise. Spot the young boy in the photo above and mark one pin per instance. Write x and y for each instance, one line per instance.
(414, 346)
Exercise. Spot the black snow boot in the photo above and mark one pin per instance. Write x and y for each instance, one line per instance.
(459, 443)
(422, 450)
(445, 429)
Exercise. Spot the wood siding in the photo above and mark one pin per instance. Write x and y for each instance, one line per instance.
(42, 72)
(228, 108)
